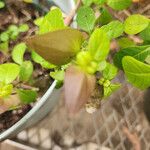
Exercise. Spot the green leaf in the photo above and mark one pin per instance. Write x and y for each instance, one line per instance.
(4, 36)
(145, 34)
(147, 60)
(39, 21)
(138, 52)
(99, 45)
(110, 89)
(125, 42)
(27, 96)
(8, 72)
(38, 59)
(5, 90)
(14, 35)
(110, 71)
(99, 2)
(52, 21)
(18, 53)
(58, 75)
(105, 17)
(87, 2)
(26, 71)
(86, 18)
(57, 47)
(119, 4)
(12, 28)
(135, 24)
(2, 4)
(4, 47)
(114, 29)
(136, 72)
(23, 28)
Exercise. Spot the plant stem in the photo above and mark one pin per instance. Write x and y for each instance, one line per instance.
(68, 20)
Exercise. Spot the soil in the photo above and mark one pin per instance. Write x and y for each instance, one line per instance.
(17, 12)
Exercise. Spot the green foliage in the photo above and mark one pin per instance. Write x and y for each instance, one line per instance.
(89, 2)
(23, 28)
(99, 45)
(13, 32)
(26, 70)
(58, 75)
(38, 59)
(119, 4)
(114, 29)
(125, 42)
(138, 52)
(18, 53)
(5, 89)
(145, 34)
(137, 72)
(4, 47)
(135, 24)
(86, 19)
(110, 89)
(8, 72)
(27, 96)
(51, 22)
(2, 4)
(110, 71)
(147, 60)
(105, 17)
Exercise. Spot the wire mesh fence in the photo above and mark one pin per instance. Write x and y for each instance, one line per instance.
(90, 132)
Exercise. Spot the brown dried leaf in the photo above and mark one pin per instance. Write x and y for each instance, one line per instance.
(78, 88)
(11, 101)
(57, 47)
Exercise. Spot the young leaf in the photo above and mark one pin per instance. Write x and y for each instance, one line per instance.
(18, 52)
(135, 24)
(38, 59)
(145, 34)
(99, 45)
(52, 21)
(4, 47)
(109, 72)
(26, 71)
(23, 28)
(87, 2)
(99, 2)
(147, 60)
(105, 17)
(111, 29)
(138, 52)
(4, 36)
(78, 88)
(5, 90)
(58, 75)
(137, 72)
(119, 4)
(57, 47)
(8, 72)
(86, 18)
(12, 28)
(110, 89)
(27, 96)
(125, 42)
(2, 4)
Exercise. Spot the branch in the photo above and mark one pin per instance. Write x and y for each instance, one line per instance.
(69, 18)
